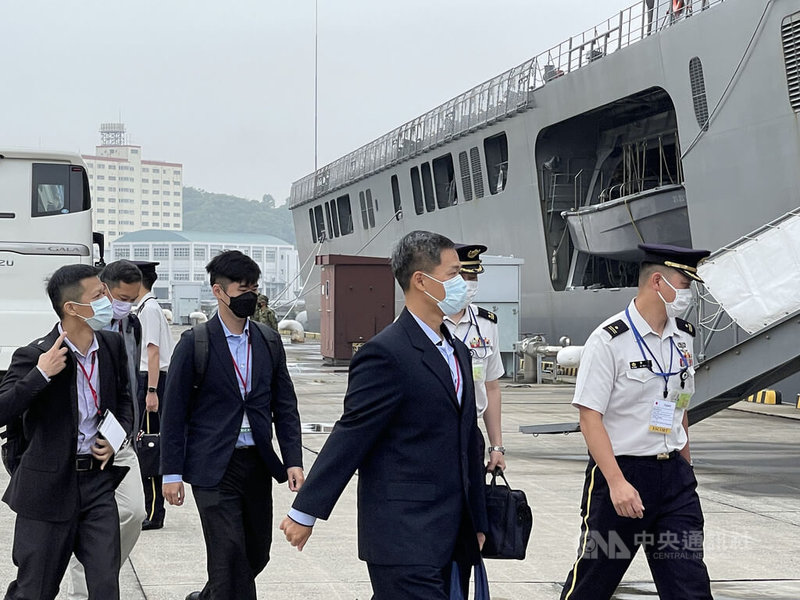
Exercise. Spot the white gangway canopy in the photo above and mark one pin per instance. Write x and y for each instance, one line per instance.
(756, 279)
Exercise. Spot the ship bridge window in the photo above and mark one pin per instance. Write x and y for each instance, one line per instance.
(319, 223)
(398, 207)
(444, 176)
(416, 188)
(370, 208)
(363, 202)
(495, 149)
(330, 208)
(328, 218)
(345, 214)
(427, 187)
(477, 175)
(466, 183)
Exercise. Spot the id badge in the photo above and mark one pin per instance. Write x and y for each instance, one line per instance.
(478, 371)
(662, 415)
(680, 398)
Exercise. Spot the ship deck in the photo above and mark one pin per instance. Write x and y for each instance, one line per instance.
(745, 458)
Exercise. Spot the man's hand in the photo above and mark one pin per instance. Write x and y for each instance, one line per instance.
(297, 535)
(151, 402)
(54, 360)
(173, 493)
(296, 478)
(481, 540)
(496, 459)
(102, 451)
(626, 500)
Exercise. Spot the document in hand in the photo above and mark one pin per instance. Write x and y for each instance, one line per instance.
(112, 431)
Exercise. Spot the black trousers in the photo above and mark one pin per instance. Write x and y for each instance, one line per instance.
(236, 516)
(671, 533)
(42, 549)
(153, 496)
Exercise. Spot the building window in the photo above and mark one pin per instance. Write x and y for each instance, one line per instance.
(180, 252)
(122, 252)
(101, 221)
(145, 170)
(101, 166)
(156, 192)
(200, 276)
(269, 255)
(155, 170)
(101, 176)
(112, 166)
(145, 180)
(101, 210)
(176, 193)
(258, 254)
(141, 252)
(160, 251)
(180, 277)
(134, 151)
(145, 224)
(200, 253)
(156, 181)
(165, 203)
(444, 176)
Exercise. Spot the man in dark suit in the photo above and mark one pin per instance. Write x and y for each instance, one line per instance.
(219, 437)
(410, 428)
(63, 488)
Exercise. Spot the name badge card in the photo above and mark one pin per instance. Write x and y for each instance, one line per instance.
(662, 415)
(680, 398)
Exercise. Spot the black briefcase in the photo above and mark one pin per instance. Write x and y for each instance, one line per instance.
(510, 520)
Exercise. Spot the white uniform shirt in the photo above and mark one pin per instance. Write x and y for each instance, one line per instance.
(613, 379)
(155, 330)
(487, 364)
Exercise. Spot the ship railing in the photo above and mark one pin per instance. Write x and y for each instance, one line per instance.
(495, 99)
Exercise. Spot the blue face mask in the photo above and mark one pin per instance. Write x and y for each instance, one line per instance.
(455, 295)
(103, 313)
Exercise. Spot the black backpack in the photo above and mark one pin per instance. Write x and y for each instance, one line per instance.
(201, 350)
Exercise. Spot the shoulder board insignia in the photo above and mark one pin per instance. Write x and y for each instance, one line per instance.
(482, 312)
(685, 326)
(616, 328)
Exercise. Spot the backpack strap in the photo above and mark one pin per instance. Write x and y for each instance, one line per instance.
(200, 332)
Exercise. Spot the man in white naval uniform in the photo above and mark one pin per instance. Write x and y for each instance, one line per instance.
(477, 328)
(633, 389)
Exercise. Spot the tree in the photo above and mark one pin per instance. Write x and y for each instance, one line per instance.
(268, 200)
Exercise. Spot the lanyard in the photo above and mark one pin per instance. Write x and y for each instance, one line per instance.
(661, 373)
(473, 320)
(88, 377)
(244, 379)
(458, 373)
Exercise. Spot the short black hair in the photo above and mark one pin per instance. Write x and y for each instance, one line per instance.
(233, 266)
(418, 251)
(65, 285)
(120, 271)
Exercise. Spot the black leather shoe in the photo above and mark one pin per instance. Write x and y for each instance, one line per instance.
(193, 596)
(148, 525)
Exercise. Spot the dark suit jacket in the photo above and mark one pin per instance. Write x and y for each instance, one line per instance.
(199, 431)
(420, 470)
(45, 485)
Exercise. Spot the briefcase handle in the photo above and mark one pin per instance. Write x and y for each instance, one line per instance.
(498, 472)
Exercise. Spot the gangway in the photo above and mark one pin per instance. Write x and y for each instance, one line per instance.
(756, 282)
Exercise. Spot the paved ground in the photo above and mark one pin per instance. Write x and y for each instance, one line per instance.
(746, 464)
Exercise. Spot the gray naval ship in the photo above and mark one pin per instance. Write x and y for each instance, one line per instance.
(671, 122)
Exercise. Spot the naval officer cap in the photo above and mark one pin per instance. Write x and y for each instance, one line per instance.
(146, 267)
(469, 255)
(681, 259)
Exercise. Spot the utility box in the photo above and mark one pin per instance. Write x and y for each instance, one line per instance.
(356, 302)
(185, 301)
(499, 289)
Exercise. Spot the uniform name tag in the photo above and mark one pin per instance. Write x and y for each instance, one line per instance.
(478, 371)
(642, 364)
(662, 415)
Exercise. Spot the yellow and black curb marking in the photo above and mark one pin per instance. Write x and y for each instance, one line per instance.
(766, 397)
(547, 367)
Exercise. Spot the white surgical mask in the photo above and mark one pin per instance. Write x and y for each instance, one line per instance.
(682, 301)
(472, 289)
(121, 309)
(455, 295)
(103, 313)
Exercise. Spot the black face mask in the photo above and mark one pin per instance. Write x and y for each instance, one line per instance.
(243, 305)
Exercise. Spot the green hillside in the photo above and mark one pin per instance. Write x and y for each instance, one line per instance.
(207, 211)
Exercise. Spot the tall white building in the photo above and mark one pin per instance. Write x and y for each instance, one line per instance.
(183, 256)
(130, 193)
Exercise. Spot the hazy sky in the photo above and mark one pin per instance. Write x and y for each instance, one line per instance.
(227, 88)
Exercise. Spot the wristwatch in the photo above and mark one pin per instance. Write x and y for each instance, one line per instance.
(500, 449)
(151, 389)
